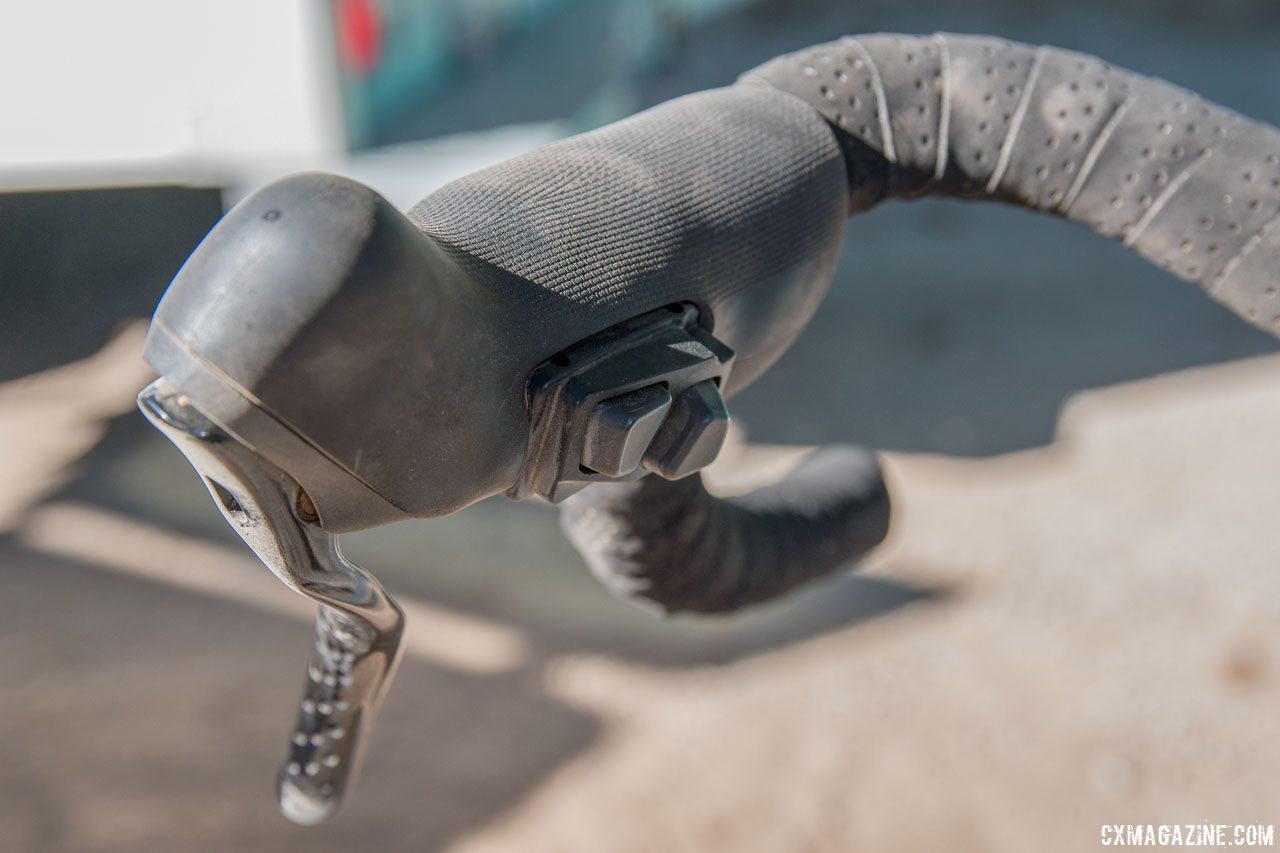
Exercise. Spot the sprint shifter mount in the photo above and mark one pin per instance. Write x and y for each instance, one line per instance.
(641, 397)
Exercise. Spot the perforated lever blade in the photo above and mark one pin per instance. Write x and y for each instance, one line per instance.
(358, 628)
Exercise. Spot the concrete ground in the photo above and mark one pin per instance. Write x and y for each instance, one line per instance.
(1072, 623)
(1051, 639)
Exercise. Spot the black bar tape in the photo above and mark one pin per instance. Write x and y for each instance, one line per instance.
(674, 545)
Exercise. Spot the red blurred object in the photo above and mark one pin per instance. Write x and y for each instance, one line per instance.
(359, 26)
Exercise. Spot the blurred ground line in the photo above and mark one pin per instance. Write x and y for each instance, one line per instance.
(106, 540)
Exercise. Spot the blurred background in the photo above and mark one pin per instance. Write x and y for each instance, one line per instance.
(1073, 622)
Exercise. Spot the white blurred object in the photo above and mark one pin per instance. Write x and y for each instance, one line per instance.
(143, 91)
(406, 172)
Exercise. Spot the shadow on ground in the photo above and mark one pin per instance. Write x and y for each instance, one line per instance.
(139, 701)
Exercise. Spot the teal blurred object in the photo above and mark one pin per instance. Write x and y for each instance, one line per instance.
(396, 57)
(392, 54)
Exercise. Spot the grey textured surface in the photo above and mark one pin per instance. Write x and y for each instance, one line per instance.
(1192, 187)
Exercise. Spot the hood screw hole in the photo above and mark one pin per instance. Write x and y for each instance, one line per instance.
(306, 508)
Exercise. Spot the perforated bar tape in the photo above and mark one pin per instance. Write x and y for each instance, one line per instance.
(1189, 185)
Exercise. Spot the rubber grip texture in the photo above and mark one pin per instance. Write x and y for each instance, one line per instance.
(1189, 185)
(733, 199)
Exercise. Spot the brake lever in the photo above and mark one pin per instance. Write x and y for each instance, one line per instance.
(358, 627)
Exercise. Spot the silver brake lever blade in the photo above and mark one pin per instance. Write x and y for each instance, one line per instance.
(358, 628)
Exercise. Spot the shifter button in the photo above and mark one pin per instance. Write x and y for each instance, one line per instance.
(621, 428)
(692, 434)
